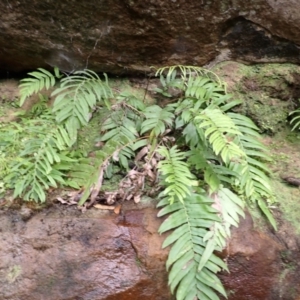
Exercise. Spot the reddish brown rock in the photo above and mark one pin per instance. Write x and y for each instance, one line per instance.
(122, 36)
(261, 266)
(62, 254)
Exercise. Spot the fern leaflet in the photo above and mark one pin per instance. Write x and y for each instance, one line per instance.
(175, 174)
(39, 80)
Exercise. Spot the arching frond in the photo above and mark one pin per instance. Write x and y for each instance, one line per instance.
(39, 80)
(76, 98)
(219, 129)
(157, 119)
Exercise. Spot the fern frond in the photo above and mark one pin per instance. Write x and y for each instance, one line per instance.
(39, 80)
(190, 221)
(295, 121)
(34, 171)
(186, 72)
(253, 181)
(175, 174)
(86, 172)
(77, 96)
(219, 129)
(157, 119)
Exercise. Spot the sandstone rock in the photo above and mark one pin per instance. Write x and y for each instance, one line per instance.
(62, 254)
(261, 266)
(123, 36)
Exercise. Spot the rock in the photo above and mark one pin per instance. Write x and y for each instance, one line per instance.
(261, 266)
(123, 36)
(269, 92)
(60, 253)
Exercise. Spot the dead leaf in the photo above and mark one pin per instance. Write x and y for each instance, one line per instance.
(115, 155)
(111, 197)
(61, 200)
(142, 153)
(137, 198)
(117, 209)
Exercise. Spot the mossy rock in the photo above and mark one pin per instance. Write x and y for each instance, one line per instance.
(269, 91)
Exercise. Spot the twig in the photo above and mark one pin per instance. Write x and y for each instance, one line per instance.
(98, 185)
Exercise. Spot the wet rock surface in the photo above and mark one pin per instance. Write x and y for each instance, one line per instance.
(60, 253)
(267, 267)
(130, 36)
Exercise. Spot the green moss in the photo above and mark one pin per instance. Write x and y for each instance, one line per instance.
(289, 203)
(14, 272)
(268, 91)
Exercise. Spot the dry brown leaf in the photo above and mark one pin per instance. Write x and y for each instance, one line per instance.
(111, 197)
(153, 162)
(129, 197)
(61, 200)
(142, 153)
(99, 144)
(217, 203)
(137, 198)
(100, 206)
(117, 209)
(68, 202)
(115, 155)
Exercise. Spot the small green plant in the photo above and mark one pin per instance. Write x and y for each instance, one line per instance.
(295, 121)
(202, 160)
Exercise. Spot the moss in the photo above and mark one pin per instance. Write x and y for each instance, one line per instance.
(288, 203)
(14, 272)
(268, 91)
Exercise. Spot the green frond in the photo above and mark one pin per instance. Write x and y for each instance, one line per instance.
(34, 171)
(186, 72)
(190, 222)
(157, 119)
(220, 131)
(85, 173)
(175, 173)
(39, 80)
(76, 98)
(295, 121)
(119, 127)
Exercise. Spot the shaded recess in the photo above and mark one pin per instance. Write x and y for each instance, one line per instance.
(248, 41)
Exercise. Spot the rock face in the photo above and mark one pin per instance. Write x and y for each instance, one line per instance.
(263, 265)
(62, 254)
(269, 92)
(123, 36)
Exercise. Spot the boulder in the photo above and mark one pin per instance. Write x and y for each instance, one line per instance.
(60, 253)
(130, 36)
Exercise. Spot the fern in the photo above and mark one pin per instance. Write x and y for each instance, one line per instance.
(209, 161)
(89, 172)
(175, 173)
(76, 97)
(197, 230)
(157, 119)
(219, 129)
(38, 81)
(121, 125)
(295, 121)
(34, 171)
